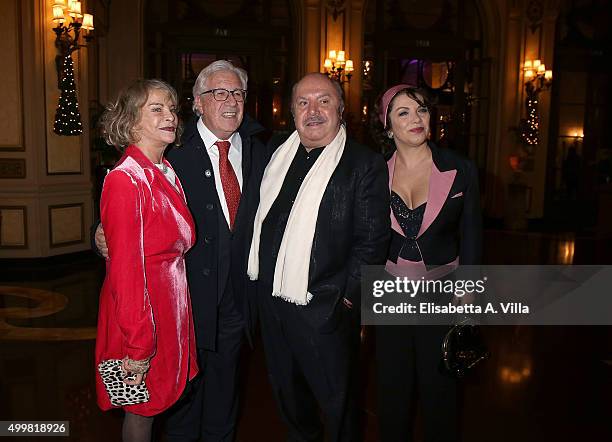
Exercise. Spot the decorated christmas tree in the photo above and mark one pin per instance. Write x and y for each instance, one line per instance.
(67, 115)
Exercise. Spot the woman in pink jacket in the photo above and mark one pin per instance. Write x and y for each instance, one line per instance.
(145, 309)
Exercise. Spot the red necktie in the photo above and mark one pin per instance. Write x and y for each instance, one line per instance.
(229, 182)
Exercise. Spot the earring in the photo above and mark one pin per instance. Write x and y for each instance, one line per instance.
(390, 134)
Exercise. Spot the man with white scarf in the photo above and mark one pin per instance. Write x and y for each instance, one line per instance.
(323, 213)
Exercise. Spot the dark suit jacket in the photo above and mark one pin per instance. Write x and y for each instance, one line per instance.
(218, 261)
(353, 229)
(452, 223)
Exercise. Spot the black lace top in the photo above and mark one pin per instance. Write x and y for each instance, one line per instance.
(410, 221)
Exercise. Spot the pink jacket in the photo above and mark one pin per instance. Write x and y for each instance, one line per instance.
(145, 308)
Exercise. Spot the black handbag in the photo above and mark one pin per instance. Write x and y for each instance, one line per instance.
(463, 348)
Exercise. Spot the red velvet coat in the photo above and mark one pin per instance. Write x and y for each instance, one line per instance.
(145, 308)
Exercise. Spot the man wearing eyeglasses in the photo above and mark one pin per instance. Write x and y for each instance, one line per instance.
(220, 166)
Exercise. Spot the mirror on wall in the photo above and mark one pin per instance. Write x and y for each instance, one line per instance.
(435, 74)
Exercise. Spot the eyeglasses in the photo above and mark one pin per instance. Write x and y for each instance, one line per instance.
(221, 94)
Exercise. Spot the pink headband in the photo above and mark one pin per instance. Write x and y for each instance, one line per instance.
(387, 98)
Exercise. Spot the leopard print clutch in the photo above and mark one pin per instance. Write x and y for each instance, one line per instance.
(119, 392)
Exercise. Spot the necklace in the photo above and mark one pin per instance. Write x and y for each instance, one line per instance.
(163, 167)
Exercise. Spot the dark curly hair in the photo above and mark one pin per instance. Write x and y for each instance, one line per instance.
(377, 130)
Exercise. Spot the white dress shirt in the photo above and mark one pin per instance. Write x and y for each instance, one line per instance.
(234, 155)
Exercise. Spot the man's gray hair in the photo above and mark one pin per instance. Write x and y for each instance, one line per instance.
(201, 83)
(335, 84)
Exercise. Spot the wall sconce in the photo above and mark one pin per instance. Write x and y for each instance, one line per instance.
(511, 375)
(565, 251)
(69, 21)
(364, 113)
(537, 79)
(367, 68)
(337, 67)
(578, 135)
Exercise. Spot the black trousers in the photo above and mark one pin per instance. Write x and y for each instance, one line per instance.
(409, 360)
(309, 371)
(208, 412)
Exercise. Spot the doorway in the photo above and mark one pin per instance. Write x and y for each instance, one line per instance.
(189, 35)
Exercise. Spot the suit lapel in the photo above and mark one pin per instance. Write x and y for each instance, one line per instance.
(246, 171)
(440, 184)
(394, 224)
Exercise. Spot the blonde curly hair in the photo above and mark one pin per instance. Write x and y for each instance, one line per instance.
(122, 115)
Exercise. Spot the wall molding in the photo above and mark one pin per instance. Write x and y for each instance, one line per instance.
(12, 168)
(68, 241)
(19, 145)
(23, 209)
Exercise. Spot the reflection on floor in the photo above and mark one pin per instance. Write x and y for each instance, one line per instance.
(541, 383)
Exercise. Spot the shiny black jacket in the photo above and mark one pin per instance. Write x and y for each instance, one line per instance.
(353, 229)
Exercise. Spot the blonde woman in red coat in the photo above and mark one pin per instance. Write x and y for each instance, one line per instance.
(145, 308)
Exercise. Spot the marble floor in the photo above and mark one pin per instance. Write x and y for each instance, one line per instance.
(540, 384)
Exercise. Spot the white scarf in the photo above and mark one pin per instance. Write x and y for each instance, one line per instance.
(293, 261)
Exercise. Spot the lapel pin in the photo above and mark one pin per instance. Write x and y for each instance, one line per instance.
(207, 173)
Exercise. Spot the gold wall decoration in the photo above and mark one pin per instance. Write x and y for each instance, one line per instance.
(11, 106)
(12, 168)
(535, 14)
(335, 7)
(13, 227)
(66, 225)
